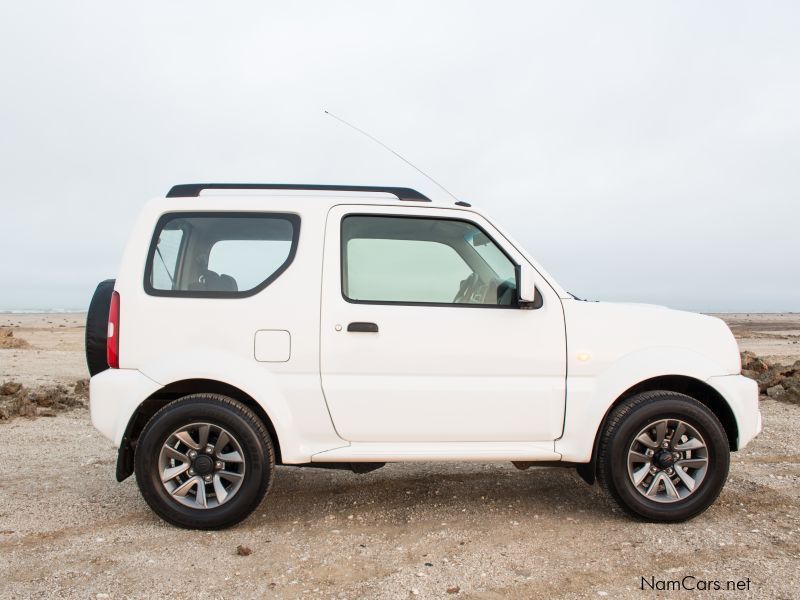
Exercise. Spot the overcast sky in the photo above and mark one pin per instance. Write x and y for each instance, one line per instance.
(641, 151)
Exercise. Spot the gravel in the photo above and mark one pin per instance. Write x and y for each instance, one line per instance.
(68, 530)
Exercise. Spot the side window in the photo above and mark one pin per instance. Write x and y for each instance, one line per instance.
(418, 260)
(248, 260)
(169, 244)
(219, 255)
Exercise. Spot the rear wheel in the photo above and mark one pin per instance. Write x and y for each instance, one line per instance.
(663, 456)
(204, 462)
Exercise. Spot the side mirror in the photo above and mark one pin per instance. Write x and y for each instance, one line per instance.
(527, 292)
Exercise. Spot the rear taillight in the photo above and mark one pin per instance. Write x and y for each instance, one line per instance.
(112, 339)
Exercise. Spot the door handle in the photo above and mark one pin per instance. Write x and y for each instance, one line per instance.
(363, 327)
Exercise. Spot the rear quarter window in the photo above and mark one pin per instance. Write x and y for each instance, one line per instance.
(219, 255)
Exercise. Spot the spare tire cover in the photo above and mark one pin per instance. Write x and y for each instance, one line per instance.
(97, 327)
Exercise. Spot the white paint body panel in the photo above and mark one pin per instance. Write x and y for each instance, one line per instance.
(436, 383)
(272, 345)
(440, 451)
(175, 339)
(624, 344)
(439, 373)
(114, 395)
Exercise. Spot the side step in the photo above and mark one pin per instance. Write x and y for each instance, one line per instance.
(359, 468)
(373, 452)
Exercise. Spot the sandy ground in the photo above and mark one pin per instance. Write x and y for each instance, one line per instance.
(56, 352)
(67, 529)
(772, 336)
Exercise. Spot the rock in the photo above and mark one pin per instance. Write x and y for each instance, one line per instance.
(48, 396)
(9, 388)
(25, 410)
(453, 590)
(792, 390)
(17, 400)
(82, 388)
(769, 378)
(751, 362)
(776, 391)
(243, 550)
(9, 342)
(774, 379)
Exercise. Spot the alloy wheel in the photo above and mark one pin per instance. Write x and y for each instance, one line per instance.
(667, 460)
(201, 465)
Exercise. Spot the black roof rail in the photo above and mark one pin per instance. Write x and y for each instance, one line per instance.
(188, 190)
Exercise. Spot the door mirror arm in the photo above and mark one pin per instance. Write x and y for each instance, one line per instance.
(537, 301)
(528, 295)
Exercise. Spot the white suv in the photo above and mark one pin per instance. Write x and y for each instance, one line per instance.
(346, 327)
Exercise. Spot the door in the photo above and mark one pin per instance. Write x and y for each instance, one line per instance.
(422, 339)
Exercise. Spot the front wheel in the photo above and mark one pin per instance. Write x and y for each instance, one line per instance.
(663, 456)
(204, 462)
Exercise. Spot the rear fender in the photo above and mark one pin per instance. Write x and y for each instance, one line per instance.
(293, 401)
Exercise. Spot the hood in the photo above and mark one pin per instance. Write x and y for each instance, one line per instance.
(610, 330)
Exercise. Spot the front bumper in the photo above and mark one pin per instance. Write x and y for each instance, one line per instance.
(741, 393)
(114, 395)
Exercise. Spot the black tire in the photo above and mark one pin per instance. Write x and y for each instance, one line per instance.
(230, 415)
(624, 424)
(97, 327)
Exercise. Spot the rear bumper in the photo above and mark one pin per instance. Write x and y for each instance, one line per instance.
(114, 395)
(741, 393)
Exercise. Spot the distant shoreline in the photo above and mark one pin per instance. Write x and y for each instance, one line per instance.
(44, 311)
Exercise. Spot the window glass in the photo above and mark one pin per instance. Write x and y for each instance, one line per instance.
(166, 258)
(441, 261)
(494, 257)
(247, 260)
(217, 255)
(403, 270)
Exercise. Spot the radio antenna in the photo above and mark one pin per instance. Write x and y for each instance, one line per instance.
(405, 160)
